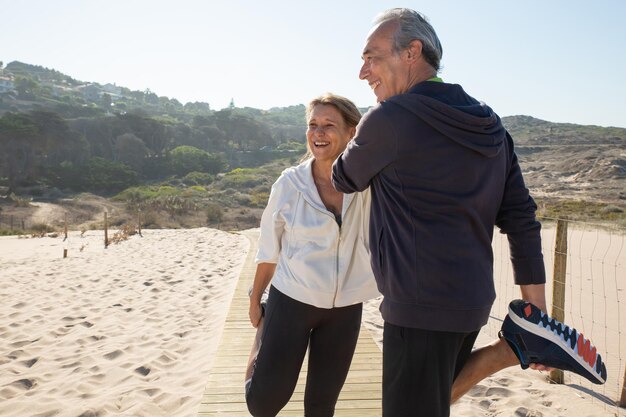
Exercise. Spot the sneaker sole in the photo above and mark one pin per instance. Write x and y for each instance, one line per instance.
(556, 339)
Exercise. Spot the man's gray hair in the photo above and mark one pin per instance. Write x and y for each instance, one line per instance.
(412, 26)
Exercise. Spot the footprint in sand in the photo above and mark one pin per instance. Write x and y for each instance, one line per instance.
(485, 404)
(21, 343)
(499, 392)
(151, 392)
(524, 412)
(72, 365)
(164, 359)
(69, 318)
(24, 384)
(30, 362)
(7, 393)
(143, 370)
(113, 355)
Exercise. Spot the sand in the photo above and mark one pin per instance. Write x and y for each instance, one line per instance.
(131, 330)
(124, 331)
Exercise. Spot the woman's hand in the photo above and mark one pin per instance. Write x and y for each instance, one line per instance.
(262, 277)
(255, 313)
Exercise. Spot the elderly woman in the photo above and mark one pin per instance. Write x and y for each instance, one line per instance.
(313, 250)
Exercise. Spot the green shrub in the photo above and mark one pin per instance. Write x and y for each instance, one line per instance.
(214, 213)
(259, 199)
(242, 199)
(97, 174)
(293, 146)
(197, 178)
(186, 159)
(7, 232)
(241, 178)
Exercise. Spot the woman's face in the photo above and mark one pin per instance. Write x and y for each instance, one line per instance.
(327, 133)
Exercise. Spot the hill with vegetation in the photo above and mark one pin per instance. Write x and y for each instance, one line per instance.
(83, 147)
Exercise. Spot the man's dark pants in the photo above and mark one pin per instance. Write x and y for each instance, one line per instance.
(419, 367)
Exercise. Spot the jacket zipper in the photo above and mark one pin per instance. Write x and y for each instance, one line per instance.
(337, 264)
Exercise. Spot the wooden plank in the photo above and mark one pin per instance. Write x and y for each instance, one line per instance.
(224, 391)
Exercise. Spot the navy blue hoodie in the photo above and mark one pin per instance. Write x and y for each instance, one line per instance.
(442, 172)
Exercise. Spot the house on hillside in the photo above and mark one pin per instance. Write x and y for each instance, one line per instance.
(90, 92)
(6, 84)
(112, 90)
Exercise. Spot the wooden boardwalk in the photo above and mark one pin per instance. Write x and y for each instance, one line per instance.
(224, 392)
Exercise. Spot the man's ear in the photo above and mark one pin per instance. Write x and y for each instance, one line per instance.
(414, 51)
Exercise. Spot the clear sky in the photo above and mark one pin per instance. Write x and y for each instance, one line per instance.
(557, 60)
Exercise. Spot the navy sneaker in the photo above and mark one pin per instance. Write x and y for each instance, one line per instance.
(535, 337)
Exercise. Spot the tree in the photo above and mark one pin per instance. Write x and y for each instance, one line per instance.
(21, 147)
(106, 101)
(197, 107)
(150, 97)
(186, 159)
(33, 141)
(130, 150)
(153, 133)
(26, 87)
(96, 175)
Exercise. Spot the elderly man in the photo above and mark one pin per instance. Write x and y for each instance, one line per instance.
(443, 173)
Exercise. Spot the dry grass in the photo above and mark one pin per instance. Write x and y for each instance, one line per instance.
(123, 234)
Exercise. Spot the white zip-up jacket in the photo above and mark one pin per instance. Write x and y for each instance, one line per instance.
(318, 262)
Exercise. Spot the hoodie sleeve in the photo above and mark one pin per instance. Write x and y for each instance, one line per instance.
(516, 218)
(272, 226)
(374, 146)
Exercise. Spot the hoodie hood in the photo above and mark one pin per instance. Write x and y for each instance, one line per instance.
(456, 115)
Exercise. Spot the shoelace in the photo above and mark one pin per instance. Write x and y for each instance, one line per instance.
(568, 335)
(585, 350)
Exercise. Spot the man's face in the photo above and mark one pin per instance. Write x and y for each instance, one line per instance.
(386, 71)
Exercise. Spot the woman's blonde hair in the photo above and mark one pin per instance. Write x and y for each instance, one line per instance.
(348, 110)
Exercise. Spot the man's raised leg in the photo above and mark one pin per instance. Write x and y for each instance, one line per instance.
(482, 363)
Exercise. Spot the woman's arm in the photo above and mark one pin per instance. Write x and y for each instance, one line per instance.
(262, 278)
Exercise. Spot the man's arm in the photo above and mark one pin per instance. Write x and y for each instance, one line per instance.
(516, 218)
(374, 146)
(535, 294)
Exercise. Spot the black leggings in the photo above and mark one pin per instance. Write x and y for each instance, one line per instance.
(289, 327)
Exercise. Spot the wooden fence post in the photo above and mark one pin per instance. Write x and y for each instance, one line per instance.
(106, 231)
(622, 400)
(558, 285)
(65, 228)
